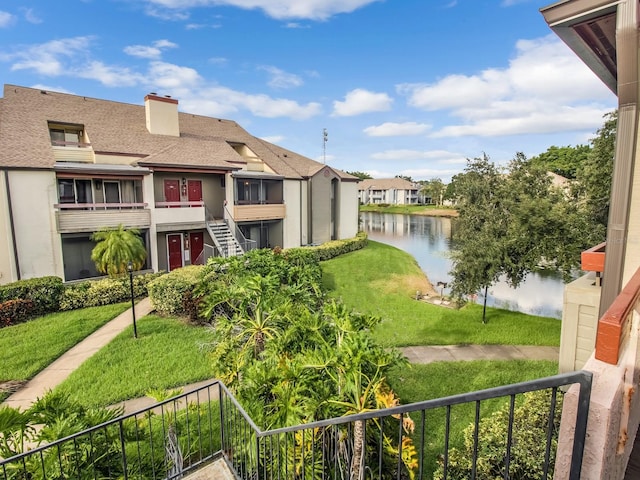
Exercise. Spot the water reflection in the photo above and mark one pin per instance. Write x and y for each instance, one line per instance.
(429, 240)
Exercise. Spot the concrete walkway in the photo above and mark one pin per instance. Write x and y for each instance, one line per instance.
(61, 368)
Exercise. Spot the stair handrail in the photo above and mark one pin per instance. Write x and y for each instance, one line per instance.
(244, 242)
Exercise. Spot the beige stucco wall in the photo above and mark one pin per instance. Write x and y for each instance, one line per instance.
(614, 414)
(38, 242)
(8, 271)
(291, 224)
(632, 247)
(348, 212)
(305, 213)
(579, 322)
(321, 205)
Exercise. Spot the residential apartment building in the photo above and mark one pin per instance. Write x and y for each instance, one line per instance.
(394, 191)
(193, 185)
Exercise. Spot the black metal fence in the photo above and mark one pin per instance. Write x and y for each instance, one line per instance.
(505, 432)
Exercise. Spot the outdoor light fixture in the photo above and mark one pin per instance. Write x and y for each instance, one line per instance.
(133, 304)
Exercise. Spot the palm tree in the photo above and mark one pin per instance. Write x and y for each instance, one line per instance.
(116, 248)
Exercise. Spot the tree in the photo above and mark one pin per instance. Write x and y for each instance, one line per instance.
(115, 248)
(405, 177)
(594, 178)
(512, 222)
(565, 161)
(360, 175)
(433, 189)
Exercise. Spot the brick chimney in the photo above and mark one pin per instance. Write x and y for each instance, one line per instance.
(162, 115)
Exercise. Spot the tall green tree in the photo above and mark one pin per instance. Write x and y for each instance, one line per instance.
(510, 223)
(565, 161)
(594, 178)
(115, 248)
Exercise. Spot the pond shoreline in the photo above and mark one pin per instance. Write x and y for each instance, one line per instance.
(411, 210)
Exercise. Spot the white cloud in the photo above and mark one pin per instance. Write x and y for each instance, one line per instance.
(153, 51)
(6, 19)
(390, 129)
(296, 25)
(218, 60)
(30, 16)
(282, 9)
(531, 95)
(218, 100)
(48, 88)
(71, 57)
(274, 138)
(46, 58)
(443, 156)
(280, 78)
(109, 75)
(360, 101)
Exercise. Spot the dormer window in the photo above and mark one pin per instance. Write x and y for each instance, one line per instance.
(67, 135)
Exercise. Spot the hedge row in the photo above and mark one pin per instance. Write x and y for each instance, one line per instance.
(44, 292)
(26, 299)
(168, 292)
(94, 293)
(335, 248)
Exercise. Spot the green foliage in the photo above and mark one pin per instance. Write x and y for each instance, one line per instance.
(566, 161)
(13, 312)
(433, 189)
(44, 292)
(594, 179)
(116, 248)
(335, 248)
(167, 292)
(360, 175)
(530, 424)
(510, 223)
(105, 291)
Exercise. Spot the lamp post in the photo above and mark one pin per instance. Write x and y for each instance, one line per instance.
(133, 304)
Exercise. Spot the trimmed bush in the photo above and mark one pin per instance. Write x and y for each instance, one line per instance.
(530, 425)
(335, 248)
(13, 312)
(44, 292)
(167, 292)
(93, 293)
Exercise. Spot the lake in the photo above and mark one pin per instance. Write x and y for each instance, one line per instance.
(429, 239)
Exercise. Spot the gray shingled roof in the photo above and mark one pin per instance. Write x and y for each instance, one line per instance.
(121, 128)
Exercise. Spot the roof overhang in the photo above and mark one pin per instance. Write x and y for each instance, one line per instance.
(588, 27)
(100, 169)
(263, 175)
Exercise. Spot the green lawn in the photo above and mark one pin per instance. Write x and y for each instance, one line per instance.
(405, 209)
(29, 347)
(381, 280)
(167, 353)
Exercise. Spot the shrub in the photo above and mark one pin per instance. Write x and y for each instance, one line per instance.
(167, 292)
(112, 290)
(530, 424)
(334, 248)
(15, 311)
(44, 292)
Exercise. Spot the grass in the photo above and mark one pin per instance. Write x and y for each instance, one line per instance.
(166, 354)
(44, 339)
(437, 380)
(381, 280)
(407, 209)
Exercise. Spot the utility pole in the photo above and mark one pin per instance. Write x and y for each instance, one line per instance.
(325, 137)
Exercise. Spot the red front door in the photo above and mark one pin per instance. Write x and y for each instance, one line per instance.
(196, 241)
(174, 250)
(171, 191)
(194, 187)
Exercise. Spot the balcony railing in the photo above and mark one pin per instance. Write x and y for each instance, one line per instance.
(83, 217)
(182, 434)
(614, 326)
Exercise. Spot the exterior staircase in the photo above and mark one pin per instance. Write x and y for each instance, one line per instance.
(224, 240)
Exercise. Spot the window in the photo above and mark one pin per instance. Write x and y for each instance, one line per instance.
(66, 136)
(251, 191)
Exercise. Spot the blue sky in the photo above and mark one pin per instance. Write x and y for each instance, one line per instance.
(411, 87)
